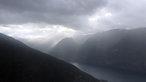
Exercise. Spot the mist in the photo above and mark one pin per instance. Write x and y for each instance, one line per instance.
(51, 22)
(108, 34)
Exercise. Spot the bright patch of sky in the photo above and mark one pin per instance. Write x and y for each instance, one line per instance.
(34, 32)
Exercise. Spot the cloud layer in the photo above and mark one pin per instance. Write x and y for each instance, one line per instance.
(49, 21)
(69, 13)
(75, 14)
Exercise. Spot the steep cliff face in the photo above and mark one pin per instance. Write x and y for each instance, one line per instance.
(20, 63)
(124, 49)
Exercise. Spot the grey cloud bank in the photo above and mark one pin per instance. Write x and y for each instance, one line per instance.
(128, 13)
(46, 22)
(60, 12)
(72, 16)
(75, 13)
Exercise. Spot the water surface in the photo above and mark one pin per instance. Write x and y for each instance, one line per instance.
(113, 75)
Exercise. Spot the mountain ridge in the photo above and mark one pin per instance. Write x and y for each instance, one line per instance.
(124, 49)
(20, 63)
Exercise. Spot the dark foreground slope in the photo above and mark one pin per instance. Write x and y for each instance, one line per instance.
(19, 63)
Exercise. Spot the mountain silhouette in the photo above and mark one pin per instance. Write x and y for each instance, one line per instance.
(20, 63)
(118, 48)
(66, 50)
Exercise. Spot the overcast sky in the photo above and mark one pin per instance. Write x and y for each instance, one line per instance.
(52, 20)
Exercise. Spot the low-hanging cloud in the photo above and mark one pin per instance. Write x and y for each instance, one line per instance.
(75, 13)
(49, 21)
(60, 12)
(126, 14)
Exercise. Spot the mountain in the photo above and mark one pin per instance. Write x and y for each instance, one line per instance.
(66, 50)
(19, 63)
(118, 48)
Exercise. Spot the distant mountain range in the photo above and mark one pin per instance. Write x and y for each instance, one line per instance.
(66, 50)
(117, 48)
(19, 63)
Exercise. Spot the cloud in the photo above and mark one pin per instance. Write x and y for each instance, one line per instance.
(118, 14)
(126, 14)
(33, 32)
(36, 37)
(40, 21)
(68, 13)
(89, 15)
